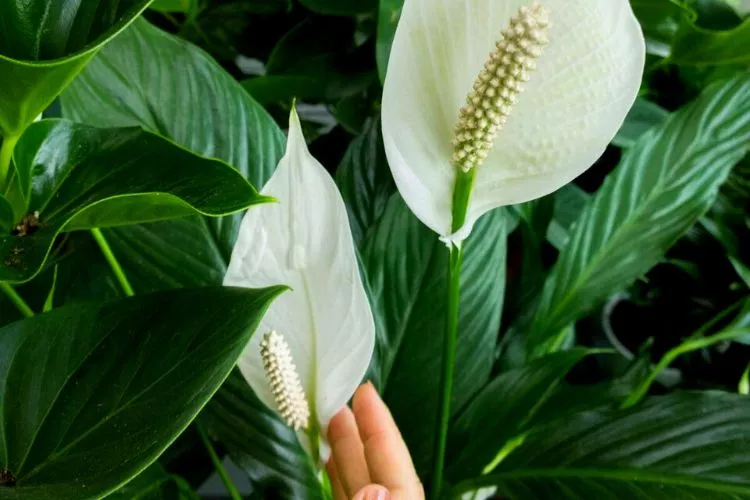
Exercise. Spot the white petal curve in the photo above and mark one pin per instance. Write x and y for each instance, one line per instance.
(305, 242)
(575, 102)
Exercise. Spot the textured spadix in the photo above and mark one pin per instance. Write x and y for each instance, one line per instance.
(573, 104)
(304, 241)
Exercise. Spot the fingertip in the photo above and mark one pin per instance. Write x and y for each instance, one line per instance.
(365, 396)
(373, 492)
(341, 425)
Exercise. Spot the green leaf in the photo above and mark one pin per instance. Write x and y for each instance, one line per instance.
(306, 66)
(664, 184)
(155, 484)
(365, 180)
(341, 7)
(406, 266)
(570, 201)
(7, 217)
(72, 177)
(388, 16)
(503, 411)
(699, 46)
(687, 446)
(661, 21)
(90, 395)
(44, 45)
(525, 284)
(259, 442)
(149, 78)
(642, 117)
(184, 6)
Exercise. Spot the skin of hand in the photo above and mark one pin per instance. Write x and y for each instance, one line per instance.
(369, 459)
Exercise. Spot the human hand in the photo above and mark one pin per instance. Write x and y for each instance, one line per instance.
(369, 459)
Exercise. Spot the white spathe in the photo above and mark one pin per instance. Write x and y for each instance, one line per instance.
(585, 82)
(305, 242)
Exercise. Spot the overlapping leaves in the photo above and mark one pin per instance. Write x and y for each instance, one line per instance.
(71, 177)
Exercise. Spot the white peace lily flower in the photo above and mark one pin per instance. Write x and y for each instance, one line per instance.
(315, 342)
(559, 77)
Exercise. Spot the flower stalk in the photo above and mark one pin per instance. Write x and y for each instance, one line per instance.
(448, 367)
(17, 300)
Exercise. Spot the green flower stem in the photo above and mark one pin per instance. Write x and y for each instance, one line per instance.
(17, 300)
(223, 474)
(461, 195)
(112, 260)
(693, 344)
(6, 152)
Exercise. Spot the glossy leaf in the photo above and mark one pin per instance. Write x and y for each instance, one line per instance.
(503, 411)
(149, 78)
(365, 180)
(155, 484)
(665, 182)
(71, 177)
(407, 267)
(687, 446)
(259, 442)
(44, 45)
(81, 381)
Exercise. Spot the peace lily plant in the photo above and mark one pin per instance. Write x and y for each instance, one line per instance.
(493, 103)
(316, 341)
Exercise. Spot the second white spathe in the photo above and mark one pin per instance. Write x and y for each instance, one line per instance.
(304, 241)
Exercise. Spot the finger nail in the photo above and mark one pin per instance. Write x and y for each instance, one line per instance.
(373, 492)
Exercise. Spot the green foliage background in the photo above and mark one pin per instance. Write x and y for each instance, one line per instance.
(604, 329)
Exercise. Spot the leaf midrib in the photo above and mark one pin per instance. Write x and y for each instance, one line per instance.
(625, 228)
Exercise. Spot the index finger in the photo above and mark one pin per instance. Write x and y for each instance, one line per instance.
(387, 456)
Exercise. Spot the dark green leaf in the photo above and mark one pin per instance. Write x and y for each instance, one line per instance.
(665, 183)
(154, 484)
(642, 117)
(7, 218)
(184, 6)
(661, 21)
(388, 16)
(264, 446)
(699, 46)
(92, 394)
(406, 266)
(687, 446)
(341, 7)
(307, 66)
(365, 180)
(43, 45)
(503, 411)
(73, 177)
(149, 78)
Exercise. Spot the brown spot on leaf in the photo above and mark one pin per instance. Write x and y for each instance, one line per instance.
(6, 478)
(28, 225)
